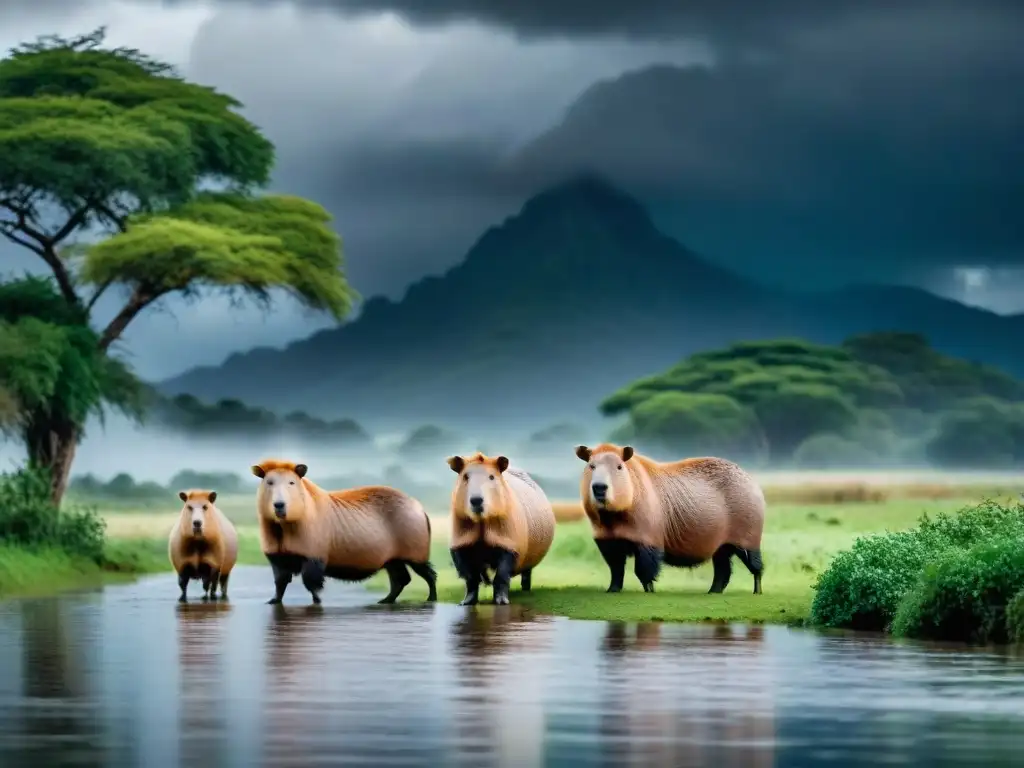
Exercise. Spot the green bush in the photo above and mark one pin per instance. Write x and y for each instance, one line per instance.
(121, 487)
(28, 518)
(1015, 618)
(862, 587)
(964, 596)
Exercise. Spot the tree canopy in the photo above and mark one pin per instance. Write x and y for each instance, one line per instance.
(877, 397)
(121, 175)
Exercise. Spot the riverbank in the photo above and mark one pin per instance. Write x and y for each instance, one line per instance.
(799, 542)
(37, 572)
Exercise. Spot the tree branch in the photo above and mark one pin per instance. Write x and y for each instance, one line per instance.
(45, 250)
(8, 232)
(140, 299)
(95, 297)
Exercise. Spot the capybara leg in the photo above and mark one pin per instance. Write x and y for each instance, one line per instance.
(399, 576)
(526, 579)
(647, 566)
(224, 586)
(722, 561)
(313, 572)
(468, 566)
(183, 586)
(214, 578)
(614, 553)
(503, 577)
(282, 579)
(426, 572)
(752, 559)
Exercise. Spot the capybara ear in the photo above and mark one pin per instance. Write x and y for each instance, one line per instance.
(627, 452)
(258, 471)
(456, 463)
(182, 495)
(583, 452)
(213, 497)
(502, 463)
(301, 470)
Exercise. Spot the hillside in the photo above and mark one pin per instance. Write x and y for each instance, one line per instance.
(576, 295)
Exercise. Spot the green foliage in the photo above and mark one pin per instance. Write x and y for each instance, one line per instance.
(929, 380)
(1015, 618)
(674, 421)
(980, 433)
(121, 487)
(964, 596)
(29, 518)
(863, 586)
(231, 242)
(877, 397)
(228, 418)
(113, 140)
(50, 364)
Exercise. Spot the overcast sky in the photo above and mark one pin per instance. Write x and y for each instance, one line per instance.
(800, 142)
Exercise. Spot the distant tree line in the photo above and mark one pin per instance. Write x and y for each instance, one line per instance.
(232, 418)
(876, 399)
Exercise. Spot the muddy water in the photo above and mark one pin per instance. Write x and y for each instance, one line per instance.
(127, 677)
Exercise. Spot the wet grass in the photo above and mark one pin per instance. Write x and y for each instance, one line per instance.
(800, 540)
(30, 572)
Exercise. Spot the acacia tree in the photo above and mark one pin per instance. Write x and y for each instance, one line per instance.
(110, 142)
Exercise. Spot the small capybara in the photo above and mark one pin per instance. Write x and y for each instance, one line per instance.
(349, 535)
(501, 519)
(682, 513)
(203, 545)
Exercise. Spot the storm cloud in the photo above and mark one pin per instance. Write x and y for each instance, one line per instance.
(803, 143)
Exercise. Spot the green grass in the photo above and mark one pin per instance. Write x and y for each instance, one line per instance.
(799, 542)
(31, 572)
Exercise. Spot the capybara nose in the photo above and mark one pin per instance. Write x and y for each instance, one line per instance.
(197, 527)
(477, 503)
(599, 489)
(279, 508)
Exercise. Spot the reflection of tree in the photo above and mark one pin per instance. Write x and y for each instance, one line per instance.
(202, 645)
(55, 684)
(685, 696)
(499, 656)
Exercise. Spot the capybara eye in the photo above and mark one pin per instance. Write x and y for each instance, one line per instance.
(466, 477)
(291, 482)
(206, 506)
(619, 467)
(591, 466)
(492, 477)
(270, 482)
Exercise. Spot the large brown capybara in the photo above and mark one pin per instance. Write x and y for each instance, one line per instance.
(501, 519)
(682, 513)
(348, 535)
(203, 545)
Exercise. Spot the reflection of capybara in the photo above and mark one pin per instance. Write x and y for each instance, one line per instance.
(501, 519)
(203, 545)
(348, 535)
(681, 513)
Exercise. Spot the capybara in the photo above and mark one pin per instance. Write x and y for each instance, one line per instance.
(682, 513)
(349, 535)
(203, 545)
(501, 519)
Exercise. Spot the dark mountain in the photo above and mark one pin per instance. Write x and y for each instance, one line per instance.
(553, 310)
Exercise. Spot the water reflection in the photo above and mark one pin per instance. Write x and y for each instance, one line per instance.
(129, 677)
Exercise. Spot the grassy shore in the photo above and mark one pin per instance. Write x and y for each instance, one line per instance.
(807, 525)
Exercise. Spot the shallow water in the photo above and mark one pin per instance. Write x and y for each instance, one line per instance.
(126, 676)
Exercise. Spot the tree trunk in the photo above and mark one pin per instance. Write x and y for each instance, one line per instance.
(52, 445)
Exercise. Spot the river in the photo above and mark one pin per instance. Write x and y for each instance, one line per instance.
(125, 676)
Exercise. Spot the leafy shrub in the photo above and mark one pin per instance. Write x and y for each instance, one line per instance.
(121, 487)
(965, 595)
(29, 517)
(1015, 618)
(862, 587)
